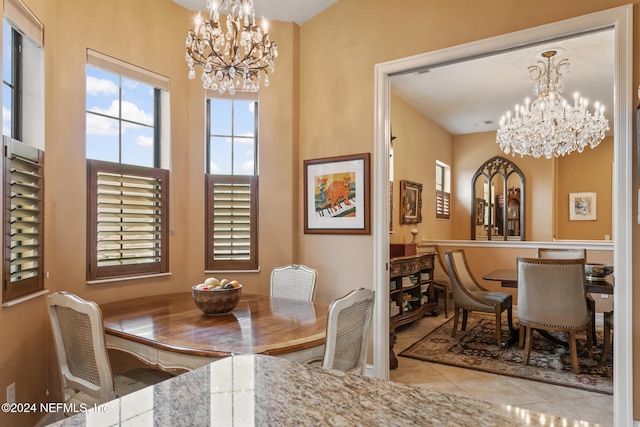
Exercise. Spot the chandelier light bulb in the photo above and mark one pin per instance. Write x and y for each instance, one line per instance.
(549, 125)
(236, 55)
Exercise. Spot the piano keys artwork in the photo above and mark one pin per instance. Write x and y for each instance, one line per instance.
(337, 195)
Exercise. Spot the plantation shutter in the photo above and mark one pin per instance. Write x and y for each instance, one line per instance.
(128, 220)
(232, 222)
(442, 204)
(23, 219)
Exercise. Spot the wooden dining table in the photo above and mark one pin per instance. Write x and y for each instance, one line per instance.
(169, 332)
(509, 279)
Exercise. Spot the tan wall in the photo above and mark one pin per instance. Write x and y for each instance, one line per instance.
(590, 171)
(149, 34)
(332, 105)
(419, 143)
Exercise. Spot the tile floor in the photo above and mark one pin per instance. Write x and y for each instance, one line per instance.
(561, 401)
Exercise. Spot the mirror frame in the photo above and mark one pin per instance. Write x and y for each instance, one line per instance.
(505, 168)
(621, 20)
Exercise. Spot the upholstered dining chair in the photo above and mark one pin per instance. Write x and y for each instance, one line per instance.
(294, 281)
(572, 253)
(348, 325)
(86, 375)
(469, 295)
(561, 253)
(538, 278)
(440, 275)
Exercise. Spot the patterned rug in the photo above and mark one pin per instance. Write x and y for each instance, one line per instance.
(550, 363)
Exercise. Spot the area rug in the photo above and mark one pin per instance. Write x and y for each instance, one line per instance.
(476, 349)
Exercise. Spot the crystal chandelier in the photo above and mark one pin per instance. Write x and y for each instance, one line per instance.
(550, 126)
(235, 58)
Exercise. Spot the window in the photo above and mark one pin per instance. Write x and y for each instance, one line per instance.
(443, 197)
(23, 174)
(12, 82)
(231, 185)
(127, 189)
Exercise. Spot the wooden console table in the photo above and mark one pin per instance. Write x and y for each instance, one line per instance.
(411, 291)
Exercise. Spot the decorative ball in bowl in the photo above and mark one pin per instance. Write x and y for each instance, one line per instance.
(597, 271)
(218, 299)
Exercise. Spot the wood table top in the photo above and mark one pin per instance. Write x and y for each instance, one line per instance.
(258, 325)
(509, 279)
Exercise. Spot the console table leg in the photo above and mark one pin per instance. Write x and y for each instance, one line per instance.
(393, 360)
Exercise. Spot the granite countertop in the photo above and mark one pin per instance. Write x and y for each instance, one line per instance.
(254, 390)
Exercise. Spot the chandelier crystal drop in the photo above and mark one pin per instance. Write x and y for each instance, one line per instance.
(234, 56)
(551, 126)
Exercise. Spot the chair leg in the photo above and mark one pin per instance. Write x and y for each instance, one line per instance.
(574, 352)
(465, 315)
(591, 307)
(456, 314)
(447, 290)
(510, 319)
(499, 328)
(521, 333)
(606, 344)
(527, 345)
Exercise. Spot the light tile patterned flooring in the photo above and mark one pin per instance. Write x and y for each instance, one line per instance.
(550, 399)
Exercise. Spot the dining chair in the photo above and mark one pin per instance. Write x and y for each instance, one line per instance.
(440, 275)
(572, 253)
(348, 324)
(294, 281)
(608, 328)
(566, 311)
(561, 253)
(86, 375)
(469, 295)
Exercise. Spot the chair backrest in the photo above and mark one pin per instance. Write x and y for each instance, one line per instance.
(561, 253)
(461, 279)
(78, 335)
(294, 281)
(552, 292)
(440, 273)
(348, 325)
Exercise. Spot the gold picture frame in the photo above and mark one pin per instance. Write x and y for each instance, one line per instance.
(410, 202)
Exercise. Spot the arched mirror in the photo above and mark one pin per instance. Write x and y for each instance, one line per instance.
(498, 196)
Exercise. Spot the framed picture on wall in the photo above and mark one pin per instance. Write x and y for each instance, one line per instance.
(582, 206)
(336, 195)
(410, 202)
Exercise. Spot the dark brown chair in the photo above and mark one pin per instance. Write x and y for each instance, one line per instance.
(566, 311)
(468, 296)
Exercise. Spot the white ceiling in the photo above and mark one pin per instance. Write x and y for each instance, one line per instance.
(297, 11)
(463, 97)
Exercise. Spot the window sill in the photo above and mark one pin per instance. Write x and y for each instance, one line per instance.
(232, 271)
(25, 298)
(124, 279)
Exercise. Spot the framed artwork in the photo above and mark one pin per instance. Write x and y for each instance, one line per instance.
(481, 205)
(410, 202)
(336, 195)
(582, 206)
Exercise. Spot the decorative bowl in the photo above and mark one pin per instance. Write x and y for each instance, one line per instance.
(597, 271)
(216, 301)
